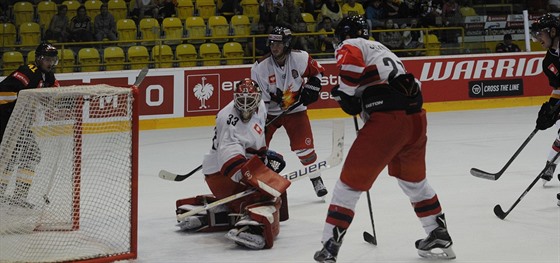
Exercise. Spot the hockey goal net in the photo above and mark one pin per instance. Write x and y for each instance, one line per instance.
(68, 176)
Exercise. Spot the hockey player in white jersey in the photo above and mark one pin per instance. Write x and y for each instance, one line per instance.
(235, 163)
(375, 84)
(281, 74)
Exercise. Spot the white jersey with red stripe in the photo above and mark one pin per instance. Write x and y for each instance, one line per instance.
(289, 78)
(235, 141)
(364, 63)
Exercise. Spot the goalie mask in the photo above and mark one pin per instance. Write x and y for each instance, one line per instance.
(46, 57)
(246, 97)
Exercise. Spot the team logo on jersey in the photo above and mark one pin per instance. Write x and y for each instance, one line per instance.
(295, 74)
(272, 79)
(552, 68)
(21, 77)
(258, 128)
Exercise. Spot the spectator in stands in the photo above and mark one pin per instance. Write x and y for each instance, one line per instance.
(431, 13)
(352, 8)
(230, 8)
(409, 9)
(450, 12)
(332, 10)
(289, 15)
(554, 6)
(143, 8)
(507, 45)
(267, 14)
(376, 14)
(104, 25)
(392, 8)
(466, 9)
(80, 26)
(309, 6)
(58, 27)
(391, 39)
(325, 43)
(304, 42)
(260, 42)
(413, 39)
(166, 8)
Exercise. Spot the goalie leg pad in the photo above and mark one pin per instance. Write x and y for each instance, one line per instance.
(258, 228)
(256, 174)
(212, 220)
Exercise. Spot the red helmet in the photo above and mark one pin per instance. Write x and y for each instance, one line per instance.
(246, 97)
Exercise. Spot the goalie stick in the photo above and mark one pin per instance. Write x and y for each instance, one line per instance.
(495, 176)
(337, 154)
(499, 212)
(166, 175)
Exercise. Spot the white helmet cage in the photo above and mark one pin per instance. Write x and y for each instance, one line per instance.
(246, 97)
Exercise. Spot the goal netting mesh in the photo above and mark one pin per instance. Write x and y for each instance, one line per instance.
(68, 176)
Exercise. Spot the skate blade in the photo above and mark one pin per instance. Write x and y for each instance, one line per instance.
(438, 253)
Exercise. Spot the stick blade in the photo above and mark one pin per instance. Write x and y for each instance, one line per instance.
(484, 175)
(370, 238)
(499, 212)
(163, 174)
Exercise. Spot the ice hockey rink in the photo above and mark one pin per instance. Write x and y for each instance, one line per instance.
(457, 141)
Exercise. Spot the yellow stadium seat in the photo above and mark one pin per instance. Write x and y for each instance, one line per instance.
(250, 8)
(114, 58)
(118, 9)
(72, 8)
(241, 26)
(11, 61)
(233, 50)
(219, 27)
(138, 57)
(310, 21)
(93, 8)
(23, 12)
(29, 35)
(7, 35)
(162, 56)
(126, 29)
(206, 8)
(45, 11)
(185, 8)
(66, 60)
(172, 30)
(196, 28)
(186, 52)
(210, 53)
(89, 59)
(432, 44)
(149, 30)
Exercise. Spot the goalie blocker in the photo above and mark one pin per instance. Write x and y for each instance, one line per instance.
(255, 218)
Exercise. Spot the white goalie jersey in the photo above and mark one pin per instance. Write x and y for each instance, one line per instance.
(235, 140)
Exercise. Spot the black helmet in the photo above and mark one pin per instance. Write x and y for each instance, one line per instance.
(353, 26)
(46, 49)
(545, 22)
(280, 34)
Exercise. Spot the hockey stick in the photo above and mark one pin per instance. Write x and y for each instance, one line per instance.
(372, 239)
(498, 209)
(166, 175)
(495, 176)
(140, 77)
(337, 154)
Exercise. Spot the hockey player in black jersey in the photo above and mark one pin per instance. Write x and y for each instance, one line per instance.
(37, 74)
(546, 30)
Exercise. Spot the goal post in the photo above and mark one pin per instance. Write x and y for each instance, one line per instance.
(69, 176)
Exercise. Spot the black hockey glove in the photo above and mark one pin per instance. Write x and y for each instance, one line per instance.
(275, 161)
(349, 104)
(548, 115)
(310, 91)
(277, 97)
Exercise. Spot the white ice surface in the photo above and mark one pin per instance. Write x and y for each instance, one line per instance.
(457, 141)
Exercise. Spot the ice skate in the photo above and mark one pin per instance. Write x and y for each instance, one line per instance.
(248, 233)
(328, 253)
(438, 239)
(547, 175)
(319, 187)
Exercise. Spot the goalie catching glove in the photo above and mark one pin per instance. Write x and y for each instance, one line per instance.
(310, 91)
(256, 174)
(548, 115)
